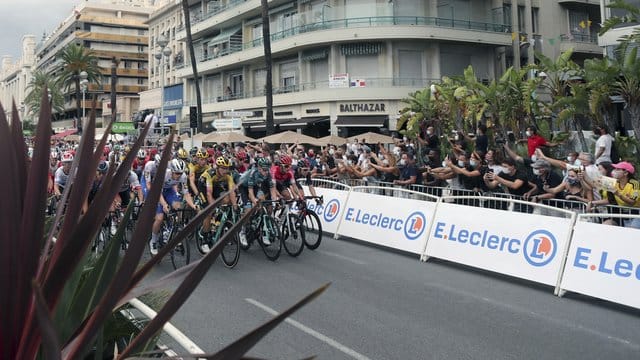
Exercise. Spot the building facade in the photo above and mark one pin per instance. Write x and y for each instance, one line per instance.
(16, 76)
(610, 40)
(110, 29)
(344, 66)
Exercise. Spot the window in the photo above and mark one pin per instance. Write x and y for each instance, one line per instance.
(288, 76)
(521, 15)
(319, 71)
(259, 81)
(535, 18)
(410, 67)
(236, 86)
(362, 66)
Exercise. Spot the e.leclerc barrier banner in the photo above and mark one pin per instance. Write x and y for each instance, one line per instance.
(604, 262)
(523, 245)
(330, 210)
(394, 222)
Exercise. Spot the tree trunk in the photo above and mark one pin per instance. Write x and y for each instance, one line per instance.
(114, 83)
(78, 104)
(578, 126)
(266, 42)
(634, 113)
(194, 68)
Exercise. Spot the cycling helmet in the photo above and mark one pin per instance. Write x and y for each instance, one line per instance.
(202, 153)
(103, 167)
(127, 148)
(67, 157)
(142, 154)
(177, 166)
(264, 162)
(241, 155)
(157, 158)
(222, 161)
(193, 151)
(116, 147)
(285, 160)
(182, 153)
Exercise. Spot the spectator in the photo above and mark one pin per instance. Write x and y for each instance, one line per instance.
(513, 181)
(492, 162)
(468, 171)
(408, 172)
(571, 189)
(543, 177)
(535, 141)
(603, 144)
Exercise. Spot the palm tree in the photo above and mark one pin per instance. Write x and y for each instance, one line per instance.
(39, 82)
(571, 107)
(628, 87)
(194, 62)
(266, 42)
(76, 59)
(601, 75)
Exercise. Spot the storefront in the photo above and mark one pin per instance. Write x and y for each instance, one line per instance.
(356, 118)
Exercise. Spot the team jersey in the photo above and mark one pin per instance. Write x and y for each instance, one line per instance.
(150, 169)
(280, 177)
(130, 182)
(218, 184)
(61, 177)
(169, 182)
(257, 180)
(198, 170)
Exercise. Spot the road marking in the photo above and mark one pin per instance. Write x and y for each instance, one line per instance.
(357, 262)
(518, 309)
(308, 330)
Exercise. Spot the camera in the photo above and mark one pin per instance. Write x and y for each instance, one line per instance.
(500, 141)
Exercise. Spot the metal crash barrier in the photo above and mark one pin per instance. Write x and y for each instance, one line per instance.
(553, 242)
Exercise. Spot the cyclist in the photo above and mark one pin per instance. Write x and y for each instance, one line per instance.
(150, 169)
(303, 171)
(218, 181)
(257, 185)
(62, 174)
(284, 178)
(139, 162)
(174, 186)
(196, 170)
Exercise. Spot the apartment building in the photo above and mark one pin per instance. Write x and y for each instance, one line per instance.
(610, 40)
(16, 76)
(344, 66)
(110, 29)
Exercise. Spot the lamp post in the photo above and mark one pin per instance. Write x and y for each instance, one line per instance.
(84, 83)
(163, 53)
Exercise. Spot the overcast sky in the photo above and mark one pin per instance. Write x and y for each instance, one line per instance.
(29, 17)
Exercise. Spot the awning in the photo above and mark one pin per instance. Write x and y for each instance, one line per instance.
(362, 121)
(62, 134)
(224, 35)
(302, 122)
(261, 125)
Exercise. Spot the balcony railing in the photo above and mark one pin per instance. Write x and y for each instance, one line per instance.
(196, 18)
(584, 38)
(321, 85)
(364, 22)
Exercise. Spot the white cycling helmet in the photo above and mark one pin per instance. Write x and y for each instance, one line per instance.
(177, 166)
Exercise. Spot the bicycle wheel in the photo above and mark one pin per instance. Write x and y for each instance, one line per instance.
(270, 238)
(231, 251)
(180, 255)
(312, 230)
(199, 241)
(293, 235)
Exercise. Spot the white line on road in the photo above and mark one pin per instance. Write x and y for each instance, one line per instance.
(357, 262)
(308, 330)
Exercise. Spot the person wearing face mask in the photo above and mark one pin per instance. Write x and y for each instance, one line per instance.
(429, 139)
(535, 141)
(604, 144)
(388, 172)
(571, 189)
(543, 178)
(468, 171)
(408, 172)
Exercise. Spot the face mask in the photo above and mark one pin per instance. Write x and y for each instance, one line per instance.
(385, 162)
(404, 139)
(429, 132)
(536, 172)
(528, 133)
(578, 162)
(456, 138)
(411, 145)
(294, 162)
(331, 151)
(444, 164)
(402, 162)
(473, 163)
(534, 158)
(573, 181)
(617, 174)
(460, 163)
(570, 159)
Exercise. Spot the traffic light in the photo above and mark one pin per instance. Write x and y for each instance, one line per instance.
(193, 117)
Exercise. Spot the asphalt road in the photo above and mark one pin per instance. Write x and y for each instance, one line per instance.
(385, 305)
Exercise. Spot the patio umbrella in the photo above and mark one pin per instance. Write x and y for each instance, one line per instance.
(373, 138)
(291, 137)
(225, 137)
(333, 140)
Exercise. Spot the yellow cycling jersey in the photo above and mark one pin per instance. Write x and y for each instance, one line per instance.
(217, 183)
(198, 170)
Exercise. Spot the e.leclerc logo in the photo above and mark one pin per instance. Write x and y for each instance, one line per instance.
(331, 210)
(607, 264)
(411, 227)
(538, 248)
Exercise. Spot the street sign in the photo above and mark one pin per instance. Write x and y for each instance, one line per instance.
(227, 123)
(122, 127)
(236, 114)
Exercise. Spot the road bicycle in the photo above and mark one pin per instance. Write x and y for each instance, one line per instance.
(264, 228)
(311, 222)
(172, 224)
(292, 229)
(223, 219)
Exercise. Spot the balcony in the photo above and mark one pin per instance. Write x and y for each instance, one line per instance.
(198, 18)
(125, 72)
(371, 83)
(580, 43)
(383, 27)
(580, 2)
(119, 88)
(111, 38)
